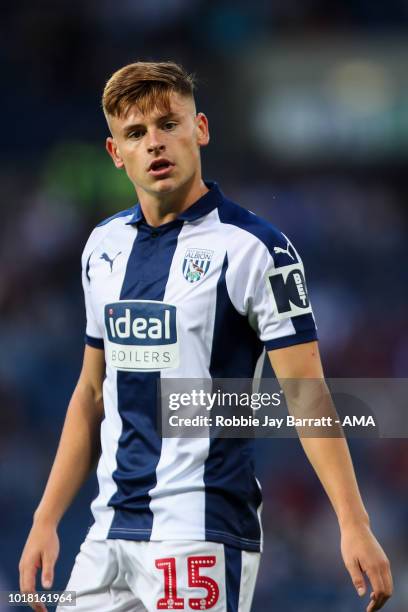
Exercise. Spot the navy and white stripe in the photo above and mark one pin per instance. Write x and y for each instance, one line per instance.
(185, 489)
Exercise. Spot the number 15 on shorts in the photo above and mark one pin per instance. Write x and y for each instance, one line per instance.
(196, 579)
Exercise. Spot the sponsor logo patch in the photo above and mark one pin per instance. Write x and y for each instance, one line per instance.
(196, 264)
(289, 292)
(141, 335)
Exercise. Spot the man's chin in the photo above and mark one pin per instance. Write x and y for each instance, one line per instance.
(165, 185)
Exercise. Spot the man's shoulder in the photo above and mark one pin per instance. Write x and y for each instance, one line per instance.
(103, 228)
(231, 213)
(122, 213)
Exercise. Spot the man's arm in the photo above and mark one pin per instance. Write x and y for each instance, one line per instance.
(332, 463)
(77, 453)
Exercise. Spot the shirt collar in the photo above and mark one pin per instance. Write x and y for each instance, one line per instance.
(201, 207)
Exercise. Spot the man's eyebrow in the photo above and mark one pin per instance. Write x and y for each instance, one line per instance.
(161, 119)
(133, 126)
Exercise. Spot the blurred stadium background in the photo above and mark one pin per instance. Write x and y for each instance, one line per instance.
(308, 108)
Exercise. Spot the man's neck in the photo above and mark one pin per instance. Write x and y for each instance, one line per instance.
(163, 208)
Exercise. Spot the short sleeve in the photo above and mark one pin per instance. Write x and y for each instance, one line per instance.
(280, 308)
(93, 334)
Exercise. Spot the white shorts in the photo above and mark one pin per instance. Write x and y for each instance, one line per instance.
(128, 576)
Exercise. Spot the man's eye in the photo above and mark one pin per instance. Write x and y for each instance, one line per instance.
(169, 125)
(136, 134)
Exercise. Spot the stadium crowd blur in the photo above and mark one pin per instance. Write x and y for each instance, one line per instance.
(308, 109)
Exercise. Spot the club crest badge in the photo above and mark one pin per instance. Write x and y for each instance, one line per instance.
(196, 264)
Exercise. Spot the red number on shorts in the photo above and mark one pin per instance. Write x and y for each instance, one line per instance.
(203, 582)
(170, 601)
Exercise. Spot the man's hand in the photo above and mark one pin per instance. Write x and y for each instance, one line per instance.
(362, 554)
(40, 551)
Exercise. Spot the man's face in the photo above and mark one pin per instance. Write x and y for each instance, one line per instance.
(160, 151)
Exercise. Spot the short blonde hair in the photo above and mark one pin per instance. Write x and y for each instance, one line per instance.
(147, 85)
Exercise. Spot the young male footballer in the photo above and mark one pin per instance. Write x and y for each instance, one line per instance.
(186, 284)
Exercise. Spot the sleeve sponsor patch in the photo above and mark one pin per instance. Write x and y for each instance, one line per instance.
(287, 285)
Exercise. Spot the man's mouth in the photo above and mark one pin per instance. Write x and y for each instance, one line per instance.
(160, 167)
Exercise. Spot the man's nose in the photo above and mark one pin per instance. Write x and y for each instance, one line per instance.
(155, 145)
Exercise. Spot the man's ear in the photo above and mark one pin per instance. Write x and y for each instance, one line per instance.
(203, 134)
(112, 149)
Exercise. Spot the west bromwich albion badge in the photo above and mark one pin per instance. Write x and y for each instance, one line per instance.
(196, 264)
